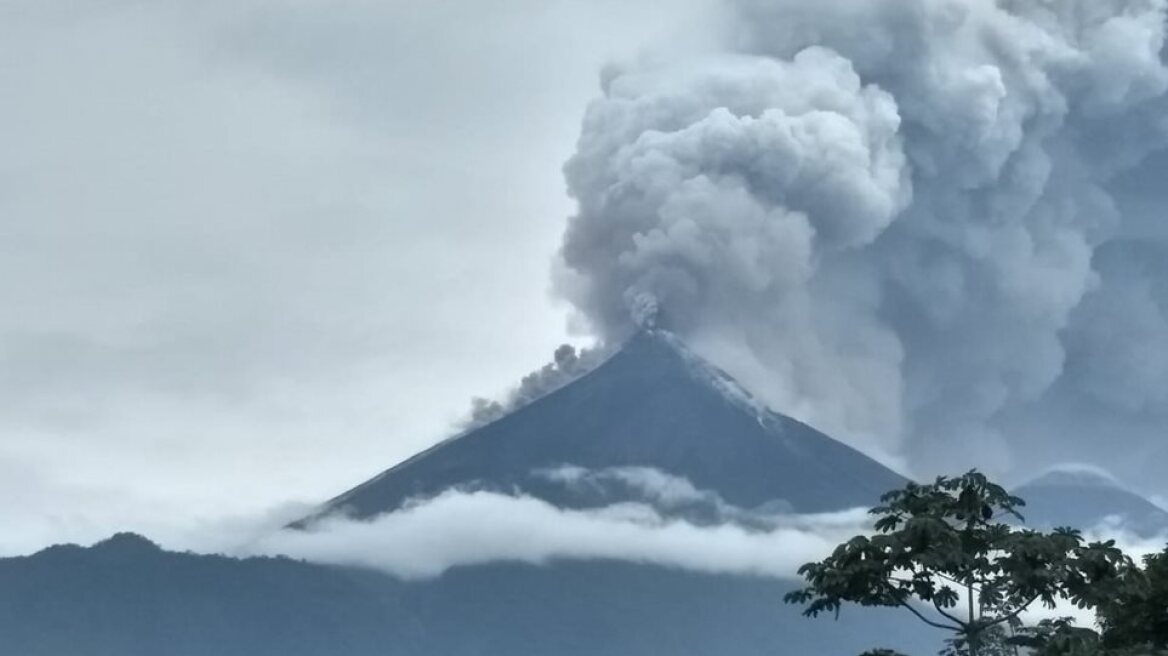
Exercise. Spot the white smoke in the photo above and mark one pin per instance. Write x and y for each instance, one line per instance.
(906, 222)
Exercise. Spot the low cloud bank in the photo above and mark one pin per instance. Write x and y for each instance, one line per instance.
(463, 527)
(458, 528)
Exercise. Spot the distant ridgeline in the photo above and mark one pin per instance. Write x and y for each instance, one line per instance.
(126, 597)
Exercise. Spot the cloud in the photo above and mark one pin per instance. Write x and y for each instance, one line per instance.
(911, 224)
(1082, 471)
(660, 489)
(670, 495)
(459, 528)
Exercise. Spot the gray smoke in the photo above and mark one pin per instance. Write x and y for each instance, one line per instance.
(567, 365)
(930, 227)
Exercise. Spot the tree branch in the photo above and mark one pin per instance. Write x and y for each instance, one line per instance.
(896, 594)
(927, 620)
(947, 615)
(1009, 616)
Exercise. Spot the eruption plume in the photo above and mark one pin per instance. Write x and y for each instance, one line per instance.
(929, 227)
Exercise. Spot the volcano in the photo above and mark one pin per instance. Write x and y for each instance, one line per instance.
(1084, 499)
(653, 404)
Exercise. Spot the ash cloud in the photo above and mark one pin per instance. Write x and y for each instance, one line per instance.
(928, 227)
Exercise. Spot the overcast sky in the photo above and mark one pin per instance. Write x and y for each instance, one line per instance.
(255, 251)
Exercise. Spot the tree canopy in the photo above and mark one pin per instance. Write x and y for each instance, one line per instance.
(948, 553)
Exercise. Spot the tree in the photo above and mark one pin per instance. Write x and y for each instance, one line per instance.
(944, 553)
(1136, 616)
(1134, 619)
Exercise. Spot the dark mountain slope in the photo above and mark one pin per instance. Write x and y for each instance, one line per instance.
(652, 404)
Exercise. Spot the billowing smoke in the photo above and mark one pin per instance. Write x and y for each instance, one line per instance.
(929, 227)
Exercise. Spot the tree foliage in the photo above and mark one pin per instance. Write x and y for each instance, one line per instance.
(1136, 616)
(946, 553)
(1059, 638)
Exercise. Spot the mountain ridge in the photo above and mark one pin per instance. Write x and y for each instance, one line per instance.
(127, 597)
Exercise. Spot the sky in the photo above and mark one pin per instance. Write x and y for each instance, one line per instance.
(253, 252)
